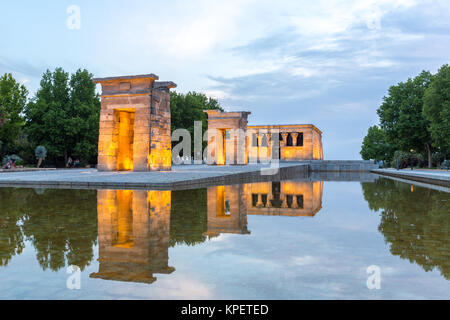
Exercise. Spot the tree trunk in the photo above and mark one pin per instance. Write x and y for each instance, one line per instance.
(429, 155)
(39, 162)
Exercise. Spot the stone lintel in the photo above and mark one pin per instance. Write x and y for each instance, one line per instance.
(216, 114)
(285, 126)
(164, 85)
(126, 94)
(150, 76)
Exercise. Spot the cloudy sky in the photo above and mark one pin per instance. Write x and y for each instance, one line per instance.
(328, 63)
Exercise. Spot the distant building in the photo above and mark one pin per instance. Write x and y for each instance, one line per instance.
(232, 141)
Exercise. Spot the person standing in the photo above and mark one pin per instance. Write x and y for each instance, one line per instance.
(69, 162)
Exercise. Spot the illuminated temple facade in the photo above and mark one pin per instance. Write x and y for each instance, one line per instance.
(135, 131)
(232, 141)
(134, 124)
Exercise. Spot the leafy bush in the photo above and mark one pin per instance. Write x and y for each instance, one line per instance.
(7, 158)
(445, 164)
(407, 159)
(40, 152)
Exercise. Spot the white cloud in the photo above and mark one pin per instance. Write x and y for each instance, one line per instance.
(305, 260)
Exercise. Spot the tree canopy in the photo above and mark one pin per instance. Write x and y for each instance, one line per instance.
(436, 109)
(64, 115)
(187, 108)
(13, 99)
(414, 119)
(401, 115)
(375, 146)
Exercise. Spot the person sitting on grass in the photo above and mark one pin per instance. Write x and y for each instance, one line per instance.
(7, 165)
(69, 162)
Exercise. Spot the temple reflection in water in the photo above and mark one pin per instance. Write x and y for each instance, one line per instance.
(133, 234)
(285, 198)
(134, 226)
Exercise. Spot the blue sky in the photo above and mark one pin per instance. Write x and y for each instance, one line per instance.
(328, 63)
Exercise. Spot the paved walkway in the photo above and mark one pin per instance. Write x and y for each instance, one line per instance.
(25, 169)
(180, 175)
(439, 177)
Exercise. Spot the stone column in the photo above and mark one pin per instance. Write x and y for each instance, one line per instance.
(269, 198)
(284, 135)
(141, 146)
(294, 136)
(107, 146)
(294, 202)
(259, 204)
(260, 138)
(269, 146)
(284, 198)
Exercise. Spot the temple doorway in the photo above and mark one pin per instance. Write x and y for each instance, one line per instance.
(124, 119)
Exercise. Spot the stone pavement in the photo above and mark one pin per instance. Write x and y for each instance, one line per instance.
(439, 177)
(25, 169)
(181, 176)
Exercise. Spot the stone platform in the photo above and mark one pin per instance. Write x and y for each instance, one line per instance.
(341, 165)
(180, 177)
(437, 177)
(25, 169)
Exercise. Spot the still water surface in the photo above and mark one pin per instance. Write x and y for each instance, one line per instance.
(268, 240)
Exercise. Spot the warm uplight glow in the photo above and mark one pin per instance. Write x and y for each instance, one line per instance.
(160, 159)
(220, 200)
(289, 198)
(133, 234)
(159, 201)
(125, 127)
(123, 226)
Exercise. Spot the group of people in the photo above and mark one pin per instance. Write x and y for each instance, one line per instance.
(72, 164)
(11, 164)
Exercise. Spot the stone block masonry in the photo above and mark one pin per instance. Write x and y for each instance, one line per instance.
(134, 124)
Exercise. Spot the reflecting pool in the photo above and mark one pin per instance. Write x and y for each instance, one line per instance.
(290, 239)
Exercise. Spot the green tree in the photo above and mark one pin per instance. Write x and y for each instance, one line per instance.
(13, 99)
(436, 109)
(402, 119)
(64, 115)
(84, 116)
(46, 113)
(374, 145)
(187, 108)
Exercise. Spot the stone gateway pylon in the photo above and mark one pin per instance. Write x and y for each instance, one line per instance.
(134, 124)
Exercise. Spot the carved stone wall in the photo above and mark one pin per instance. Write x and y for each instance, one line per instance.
(134, 124)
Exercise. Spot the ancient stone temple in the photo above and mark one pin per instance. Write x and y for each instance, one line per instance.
(226, 137)
(232, 141)
(134, 124)
(296, 142)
